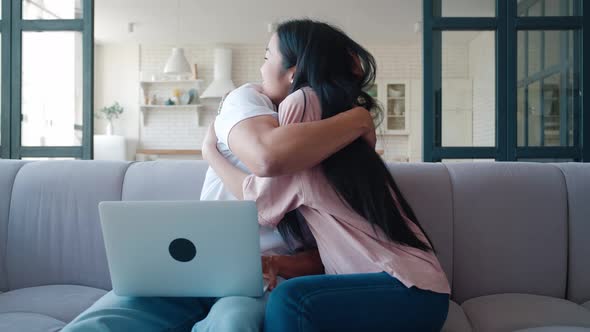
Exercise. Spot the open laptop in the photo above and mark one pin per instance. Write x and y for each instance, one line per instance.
(183, 248)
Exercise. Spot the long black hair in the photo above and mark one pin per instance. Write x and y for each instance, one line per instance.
(339, 71)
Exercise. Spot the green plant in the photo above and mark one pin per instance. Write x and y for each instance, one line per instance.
(111, 112)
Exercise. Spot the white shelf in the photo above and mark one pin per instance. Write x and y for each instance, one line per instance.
(162, 87)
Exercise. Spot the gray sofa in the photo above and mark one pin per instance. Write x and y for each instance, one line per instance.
(513, 238)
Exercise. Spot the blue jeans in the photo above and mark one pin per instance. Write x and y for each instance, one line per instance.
(356, 302)
(156, 314)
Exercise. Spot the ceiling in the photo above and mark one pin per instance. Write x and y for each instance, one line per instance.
(246, 21)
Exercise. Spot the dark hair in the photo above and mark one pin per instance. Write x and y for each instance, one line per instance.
(328, 61)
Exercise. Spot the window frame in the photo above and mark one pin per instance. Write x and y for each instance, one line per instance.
(14, 25)
(506, 25)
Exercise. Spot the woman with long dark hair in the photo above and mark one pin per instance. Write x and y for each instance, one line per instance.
(382, 271)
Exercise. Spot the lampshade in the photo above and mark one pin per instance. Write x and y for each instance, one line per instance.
(222, 82)
(177, 63)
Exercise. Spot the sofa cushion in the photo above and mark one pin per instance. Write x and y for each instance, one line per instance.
(61, 302)
(8, 170)
(54, 234)
(509, 312)
(29, 322)
(577, 178)
(556, 329)
(456, 320)
(427, 188)
(510, 229)
(164, 180)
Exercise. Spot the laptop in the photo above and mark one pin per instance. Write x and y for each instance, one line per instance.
(183, 248)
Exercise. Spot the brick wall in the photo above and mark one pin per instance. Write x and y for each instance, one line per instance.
(178, 129)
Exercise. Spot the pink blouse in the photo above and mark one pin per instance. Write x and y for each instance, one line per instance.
(346, 241)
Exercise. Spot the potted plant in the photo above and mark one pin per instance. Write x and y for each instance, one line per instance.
(110, 113)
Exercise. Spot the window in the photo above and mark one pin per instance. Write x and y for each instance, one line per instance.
(47, 107)
(519, 95)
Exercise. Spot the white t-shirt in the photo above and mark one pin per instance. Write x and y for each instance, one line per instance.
(243, 103)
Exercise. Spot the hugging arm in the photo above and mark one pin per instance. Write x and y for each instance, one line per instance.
(268, 149)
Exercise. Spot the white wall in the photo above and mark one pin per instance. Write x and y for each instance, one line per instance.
(116, 80)
(400, 63)
(118, 68)
(178, 129)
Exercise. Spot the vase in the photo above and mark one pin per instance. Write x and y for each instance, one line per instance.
(109, 129)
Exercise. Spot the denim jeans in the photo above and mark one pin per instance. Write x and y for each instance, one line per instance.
(355, 302)
(359, 302)
(155, 314)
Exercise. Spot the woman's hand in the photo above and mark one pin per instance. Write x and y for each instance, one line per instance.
(303, 263)
(369, 136)
(270, 271)
(210, 142)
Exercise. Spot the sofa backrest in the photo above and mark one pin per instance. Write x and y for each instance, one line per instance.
(8, 171)
(427, 188)
(54, 234)
(164, 180)
(53, 229)
(577, 178)
(510, 229)
(496, 227)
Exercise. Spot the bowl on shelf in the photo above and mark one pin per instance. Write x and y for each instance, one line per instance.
(193, 96)
(185, 98)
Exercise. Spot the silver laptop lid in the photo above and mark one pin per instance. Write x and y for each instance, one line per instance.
(183, 248)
